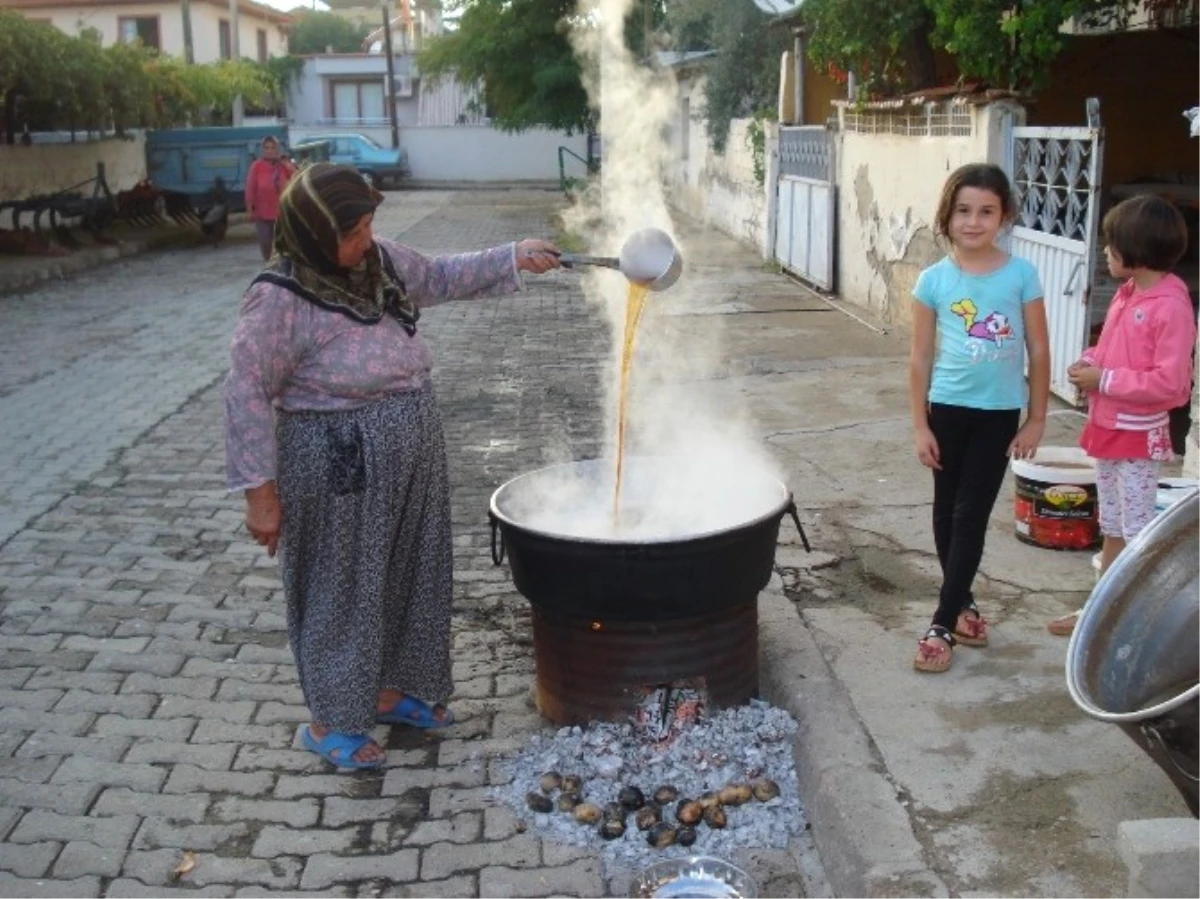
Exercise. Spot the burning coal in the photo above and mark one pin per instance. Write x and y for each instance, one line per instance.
(713, 785)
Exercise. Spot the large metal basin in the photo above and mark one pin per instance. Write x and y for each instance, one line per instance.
(1134, 658)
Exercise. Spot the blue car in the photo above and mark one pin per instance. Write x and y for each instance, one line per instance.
(381, 166)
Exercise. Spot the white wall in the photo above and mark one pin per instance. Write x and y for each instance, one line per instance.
(475, 152)
(48, 168)
(206, 34)
(888, 188)
(309, 103)
(205, 29)
(718, 190)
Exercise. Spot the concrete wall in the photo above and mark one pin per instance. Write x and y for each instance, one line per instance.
(719, 190)
(205, 28)
(888, 188)
(48, 168)
(475, 152)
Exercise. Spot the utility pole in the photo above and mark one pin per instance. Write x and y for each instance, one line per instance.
(390, 93)
(799, 33)
(235, 53)
(647, 26)
(189, 55)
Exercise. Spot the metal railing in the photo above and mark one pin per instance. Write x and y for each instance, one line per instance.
(590, 165)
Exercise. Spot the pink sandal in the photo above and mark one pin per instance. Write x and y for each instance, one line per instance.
(931, 657)
(971, 627)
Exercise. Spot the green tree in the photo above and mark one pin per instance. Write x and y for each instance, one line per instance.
(50, 80)
(27, 73)
(1011, 44)
(129, 86)
(889, 44)
(519, 51)
(690, 23)
(886, 43)
(315, 32)
(743, 76)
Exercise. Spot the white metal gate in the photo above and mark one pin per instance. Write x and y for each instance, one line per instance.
(1056, 176)
(807, 204)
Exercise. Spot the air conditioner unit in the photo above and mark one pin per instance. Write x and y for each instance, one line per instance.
(404, 86)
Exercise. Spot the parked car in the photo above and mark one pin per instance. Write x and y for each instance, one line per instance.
(381, 166)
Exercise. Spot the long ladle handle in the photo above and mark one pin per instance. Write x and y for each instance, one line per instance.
(570, 259)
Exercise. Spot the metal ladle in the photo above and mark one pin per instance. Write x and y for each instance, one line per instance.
(648, 256)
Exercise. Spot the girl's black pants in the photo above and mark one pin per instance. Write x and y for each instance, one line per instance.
(973, 447)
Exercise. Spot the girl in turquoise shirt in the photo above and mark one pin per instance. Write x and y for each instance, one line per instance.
(978, 312)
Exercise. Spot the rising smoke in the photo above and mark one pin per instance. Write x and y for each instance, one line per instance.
(673, 410)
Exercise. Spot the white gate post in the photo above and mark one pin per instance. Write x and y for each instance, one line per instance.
(771, 189)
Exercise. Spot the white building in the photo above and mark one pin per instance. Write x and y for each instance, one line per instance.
(159, 24)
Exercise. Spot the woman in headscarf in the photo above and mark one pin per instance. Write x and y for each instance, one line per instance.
(333, 433)
(265, 182)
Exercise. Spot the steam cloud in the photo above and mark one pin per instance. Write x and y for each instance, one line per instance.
(678, 353)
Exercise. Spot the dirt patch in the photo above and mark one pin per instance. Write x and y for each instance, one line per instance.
(1038, 847)
(1048, 712)
(876, 579)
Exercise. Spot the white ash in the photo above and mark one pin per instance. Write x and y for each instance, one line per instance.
(734, 745)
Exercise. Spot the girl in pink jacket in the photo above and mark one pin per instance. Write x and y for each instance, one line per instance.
(1138, 371)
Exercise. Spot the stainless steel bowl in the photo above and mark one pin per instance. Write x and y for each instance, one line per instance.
(699, 876)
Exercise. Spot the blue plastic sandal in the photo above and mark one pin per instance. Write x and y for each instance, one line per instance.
(344, 745)
(415, 713)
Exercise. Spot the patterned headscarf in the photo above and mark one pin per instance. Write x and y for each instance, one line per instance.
(321, 205)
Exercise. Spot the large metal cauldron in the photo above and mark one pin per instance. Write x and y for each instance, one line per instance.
(690, 542)
(669, 597)
(1134, 658)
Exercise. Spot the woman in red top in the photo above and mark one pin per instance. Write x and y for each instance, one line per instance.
(264, 183)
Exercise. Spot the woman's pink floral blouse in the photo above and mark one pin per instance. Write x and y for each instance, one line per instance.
(290, 354)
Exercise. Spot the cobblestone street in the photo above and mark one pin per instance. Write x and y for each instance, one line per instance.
(148, 701)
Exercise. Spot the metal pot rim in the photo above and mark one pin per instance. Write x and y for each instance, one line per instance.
(1124, 570)
(778, 509)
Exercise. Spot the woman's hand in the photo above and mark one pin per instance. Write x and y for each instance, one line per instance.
(264, 515)
(1025, 444)
(537, 256)
(927, 449)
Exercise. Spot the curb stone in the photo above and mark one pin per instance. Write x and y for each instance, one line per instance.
(862, 832)
(55, 268)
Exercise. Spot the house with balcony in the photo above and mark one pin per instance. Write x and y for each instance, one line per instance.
(160, 24)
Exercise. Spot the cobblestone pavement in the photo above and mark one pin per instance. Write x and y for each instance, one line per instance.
(148, 701)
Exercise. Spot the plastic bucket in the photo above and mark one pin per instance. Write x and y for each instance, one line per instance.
(1055, 502)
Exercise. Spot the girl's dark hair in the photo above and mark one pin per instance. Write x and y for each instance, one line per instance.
(982, 175)
(1148, 232)
(270, 139)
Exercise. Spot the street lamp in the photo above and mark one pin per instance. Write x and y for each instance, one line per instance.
(390, 93)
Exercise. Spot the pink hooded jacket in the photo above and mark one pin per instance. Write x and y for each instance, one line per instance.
(1145, 351)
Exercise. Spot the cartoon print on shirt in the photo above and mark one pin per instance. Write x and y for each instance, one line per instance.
(994, 327)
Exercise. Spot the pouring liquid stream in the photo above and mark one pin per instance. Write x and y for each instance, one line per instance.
(635, 302)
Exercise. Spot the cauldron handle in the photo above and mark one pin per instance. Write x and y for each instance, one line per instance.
(1150, 731)
(791, 510)
(497, 558)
